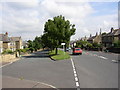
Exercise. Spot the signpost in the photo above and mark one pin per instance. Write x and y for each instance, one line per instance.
(63, 44)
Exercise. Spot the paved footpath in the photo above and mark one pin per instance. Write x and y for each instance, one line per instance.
(21, 83)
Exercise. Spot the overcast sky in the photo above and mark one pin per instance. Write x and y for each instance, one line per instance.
(27, 19)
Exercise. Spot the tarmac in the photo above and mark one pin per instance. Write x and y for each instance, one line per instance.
(10, 82)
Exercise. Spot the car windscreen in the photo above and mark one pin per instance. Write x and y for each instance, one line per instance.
(77, 49)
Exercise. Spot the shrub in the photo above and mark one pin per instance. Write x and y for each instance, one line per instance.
(7, 52)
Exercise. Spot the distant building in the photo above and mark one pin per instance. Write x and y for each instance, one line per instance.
(5, 42)
(1, 46)
(15, 43)
(109, 38)
(25, 44)
(95, 39)
(84, 38)
(9, 43)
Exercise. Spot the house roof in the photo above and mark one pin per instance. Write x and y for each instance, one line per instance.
(91, 38)
(15, 38)
(4, 38)
(114, 32)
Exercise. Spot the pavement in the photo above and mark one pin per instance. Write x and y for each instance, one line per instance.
(89, 70)
(21, 83)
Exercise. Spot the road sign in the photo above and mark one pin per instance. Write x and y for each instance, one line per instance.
(62, 43)
(74, 44)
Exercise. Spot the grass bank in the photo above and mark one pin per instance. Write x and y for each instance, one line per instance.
(61, 55)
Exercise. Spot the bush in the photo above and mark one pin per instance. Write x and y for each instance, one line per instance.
(7, 52)
(117, 44)
(23, 50)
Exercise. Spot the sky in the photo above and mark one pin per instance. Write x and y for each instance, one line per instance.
(26, 18)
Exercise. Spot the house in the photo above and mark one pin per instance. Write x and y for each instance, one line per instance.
(109, 38)
(1, 46)
(9, 43)
(95, 39)
(4, 42)
(25, 44)
(84, 38)
(15, 43)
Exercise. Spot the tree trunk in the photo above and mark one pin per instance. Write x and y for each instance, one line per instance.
(56, 51)
(65, 48)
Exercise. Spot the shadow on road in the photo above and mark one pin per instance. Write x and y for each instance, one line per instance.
(39, 54)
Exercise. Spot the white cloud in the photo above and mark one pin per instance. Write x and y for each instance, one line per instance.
(27, 19)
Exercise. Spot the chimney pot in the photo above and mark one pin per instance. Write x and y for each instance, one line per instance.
(6, 33)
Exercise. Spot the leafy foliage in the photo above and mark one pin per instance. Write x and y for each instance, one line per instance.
(116, 43)
(35, 45)
(7, 52)
(57, 31)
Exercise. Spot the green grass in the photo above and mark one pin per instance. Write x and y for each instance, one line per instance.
(61, 55)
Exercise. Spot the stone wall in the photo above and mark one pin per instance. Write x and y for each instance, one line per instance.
(7, 57)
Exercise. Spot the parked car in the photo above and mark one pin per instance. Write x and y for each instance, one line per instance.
(77, 51)
(67, 49)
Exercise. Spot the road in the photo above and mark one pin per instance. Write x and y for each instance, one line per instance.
(93, 70)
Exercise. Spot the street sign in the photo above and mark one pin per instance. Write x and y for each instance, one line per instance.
(62, 43)
(74, 44)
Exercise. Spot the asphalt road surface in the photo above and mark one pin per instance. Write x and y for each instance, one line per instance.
(93, 70)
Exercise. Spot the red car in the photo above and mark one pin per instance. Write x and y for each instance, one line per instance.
(77, 51)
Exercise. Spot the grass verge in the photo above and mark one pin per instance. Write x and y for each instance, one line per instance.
(61, 55)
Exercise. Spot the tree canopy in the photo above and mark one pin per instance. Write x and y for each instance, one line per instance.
(57, 31)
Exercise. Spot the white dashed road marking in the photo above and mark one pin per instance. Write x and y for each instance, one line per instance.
(116, 61)
(102, 57)
(75, 76)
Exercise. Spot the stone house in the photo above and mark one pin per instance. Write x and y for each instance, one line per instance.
(15, 43)
(1, 46)
(84, 38)
(5, 42)
(95, 39)
(109, 38)
(9, 43)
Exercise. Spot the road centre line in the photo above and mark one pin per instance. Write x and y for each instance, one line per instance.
(75, 75)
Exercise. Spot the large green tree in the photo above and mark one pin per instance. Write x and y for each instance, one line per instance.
(57, 31)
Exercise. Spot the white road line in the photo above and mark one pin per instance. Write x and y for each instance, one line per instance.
(74, 72)
(115, 61)
(77, 84)
(103, 57)
(76, 79)
(6, 65)
(75, 75)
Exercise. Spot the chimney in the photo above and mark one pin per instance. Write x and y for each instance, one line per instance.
(90, 35)
(96, 34)
(112, 29)
(100, 31)
(6, 33)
